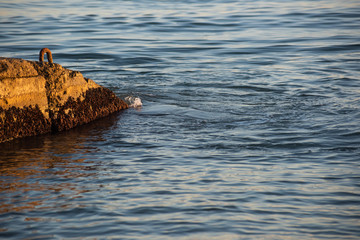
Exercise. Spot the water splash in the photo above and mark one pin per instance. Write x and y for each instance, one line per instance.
(133, 102)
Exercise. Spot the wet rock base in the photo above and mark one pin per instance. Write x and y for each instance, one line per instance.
(77, 112)
(22, 122)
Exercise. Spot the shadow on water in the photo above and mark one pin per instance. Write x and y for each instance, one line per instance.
(35, 171)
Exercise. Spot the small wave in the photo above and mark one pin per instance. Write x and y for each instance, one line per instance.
(133, 102)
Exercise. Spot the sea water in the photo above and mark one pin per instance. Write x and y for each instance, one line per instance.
(248, 127)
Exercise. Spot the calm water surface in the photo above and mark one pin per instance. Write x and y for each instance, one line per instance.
(250, 125)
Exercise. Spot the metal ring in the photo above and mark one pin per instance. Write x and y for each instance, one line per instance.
(49, 55)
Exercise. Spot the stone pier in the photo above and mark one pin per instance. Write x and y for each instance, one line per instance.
(43, 97)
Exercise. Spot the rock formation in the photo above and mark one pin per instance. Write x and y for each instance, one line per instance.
(39, 97)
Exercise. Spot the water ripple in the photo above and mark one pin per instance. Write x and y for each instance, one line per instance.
(248, 126)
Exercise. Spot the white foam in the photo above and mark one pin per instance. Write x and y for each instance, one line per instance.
(133, 102)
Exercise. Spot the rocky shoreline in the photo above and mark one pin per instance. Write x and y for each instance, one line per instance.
(43, 97)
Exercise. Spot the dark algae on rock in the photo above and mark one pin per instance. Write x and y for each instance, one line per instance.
(77, 111)
(41, 97)
(18, 122)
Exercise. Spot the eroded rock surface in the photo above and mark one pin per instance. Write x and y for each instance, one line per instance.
(37, 98)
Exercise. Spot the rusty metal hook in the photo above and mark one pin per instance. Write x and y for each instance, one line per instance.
(48, 54)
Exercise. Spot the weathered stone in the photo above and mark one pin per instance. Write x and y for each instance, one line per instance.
(21, 85)
(37, 98)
